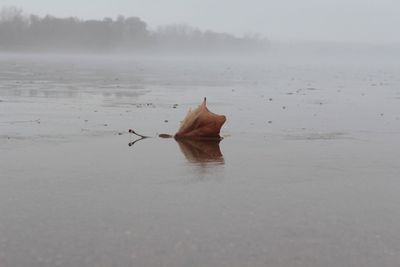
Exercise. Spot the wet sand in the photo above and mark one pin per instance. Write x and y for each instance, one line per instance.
(307, 173)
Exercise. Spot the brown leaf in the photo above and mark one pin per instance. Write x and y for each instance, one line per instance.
(201, 124)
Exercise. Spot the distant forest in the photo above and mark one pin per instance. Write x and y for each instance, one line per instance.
(19, 32)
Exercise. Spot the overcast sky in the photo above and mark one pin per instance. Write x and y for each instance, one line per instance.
(371, 21)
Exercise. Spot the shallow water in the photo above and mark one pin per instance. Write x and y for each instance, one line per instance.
(306, 175)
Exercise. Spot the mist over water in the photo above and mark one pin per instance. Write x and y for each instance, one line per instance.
(21, 32)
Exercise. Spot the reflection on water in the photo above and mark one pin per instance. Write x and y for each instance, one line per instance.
(44, 79)
(201, 151)
(135, 141)
(196, 151)
(205, 159)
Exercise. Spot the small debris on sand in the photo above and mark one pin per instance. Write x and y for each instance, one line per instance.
(165, 121)
(165, 136)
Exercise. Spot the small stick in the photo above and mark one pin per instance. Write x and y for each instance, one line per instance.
(165, 136)
(141, 136)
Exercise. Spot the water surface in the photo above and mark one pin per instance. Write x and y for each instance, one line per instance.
(306, 175)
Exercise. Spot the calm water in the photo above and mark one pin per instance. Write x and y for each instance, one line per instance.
(307, 174)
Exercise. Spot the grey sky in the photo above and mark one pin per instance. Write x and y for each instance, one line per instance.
(375, 21)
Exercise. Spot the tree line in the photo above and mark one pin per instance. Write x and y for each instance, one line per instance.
(19, 31)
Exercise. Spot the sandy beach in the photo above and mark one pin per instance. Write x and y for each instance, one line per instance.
(307, 173)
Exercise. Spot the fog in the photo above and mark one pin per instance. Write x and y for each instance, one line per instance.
(23, 32)
(29, 32)
(370, 21)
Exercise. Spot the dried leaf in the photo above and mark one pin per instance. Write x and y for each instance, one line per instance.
(201, 124)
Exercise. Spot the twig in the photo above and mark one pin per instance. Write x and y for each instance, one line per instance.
(141, 136)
